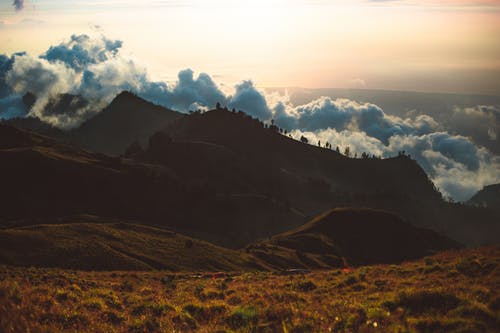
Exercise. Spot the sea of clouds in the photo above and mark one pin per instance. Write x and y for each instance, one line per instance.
(95, 69)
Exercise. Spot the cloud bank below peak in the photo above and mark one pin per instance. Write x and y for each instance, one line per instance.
(96, 69)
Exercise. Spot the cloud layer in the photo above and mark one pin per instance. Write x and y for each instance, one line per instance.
(95, 69)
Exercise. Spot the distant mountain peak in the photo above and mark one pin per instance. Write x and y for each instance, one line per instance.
(126, 95)
(489, 196)
(126, 119)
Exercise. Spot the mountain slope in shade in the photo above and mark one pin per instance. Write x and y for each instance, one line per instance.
(127, 119)
(312, 179)
(355, 236)
(266, 148)
(34, 124)
(86, 243)
(225, 178)
(489, 196)
(41, 177)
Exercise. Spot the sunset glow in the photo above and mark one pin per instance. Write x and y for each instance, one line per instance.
(441, 46)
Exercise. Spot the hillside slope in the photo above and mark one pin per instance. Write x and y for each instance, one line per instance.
(220, 176)
(41, 177)
(310, 179)
(354, 236)
(113, 245)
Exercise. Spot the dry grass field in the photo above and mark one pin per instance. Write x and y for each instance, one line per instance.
(450, 292)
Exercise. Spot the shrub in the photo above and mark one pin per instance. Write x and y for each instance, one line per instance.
(476, 312)
(302, 328)
(160, 309)
(469, 267)
(356, 319)
(424, 301)
(113, 317)
(234, 300)
(202, 313)
(184, 322)
(95, 304)
(127, 286)
(349, 281)
(242, 316)
(144, 325)
(305, 286)
(448, 325)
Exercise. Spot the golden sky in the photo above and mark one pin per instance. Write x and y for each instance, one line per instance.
(445, 46)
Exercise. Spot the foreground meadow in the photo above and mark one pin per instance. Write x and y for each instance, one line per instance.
(449, 292)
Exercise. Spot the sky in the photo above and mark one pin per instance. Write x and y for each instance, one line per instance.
(436, 46)
(189, 55)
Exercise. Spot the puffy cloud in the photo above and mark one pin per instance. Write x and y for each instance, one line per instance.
(341, 114)
(249, 99)
(81, 51)
(40, 76)
(11, 104)
(11, 107)
(481, 122)
(189, 91)
(5, 66)
(90, 67)
(357, 141)
(95, 69)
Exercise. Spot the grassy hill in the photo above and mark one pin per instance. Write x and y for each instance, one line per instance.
(351, 236)
(449, 292)
(113, 245)
(333, 239)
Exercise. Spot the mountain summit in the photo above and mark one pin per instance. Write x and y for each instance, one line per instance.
(126, 119)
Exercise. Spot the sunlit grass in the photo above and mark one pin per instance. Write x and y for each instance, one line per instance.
(451, 292)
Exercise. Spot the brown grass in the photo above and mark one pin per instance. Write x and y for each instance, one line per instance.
(450, 292)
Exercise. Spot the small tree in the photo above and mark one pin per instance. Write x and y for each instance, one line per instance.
(337, 149)
(304, 139)
(347, 151)
(217, 106)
